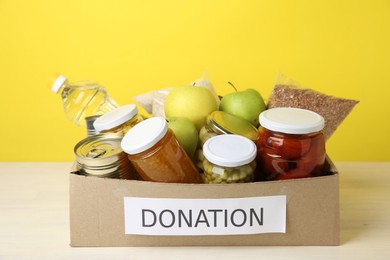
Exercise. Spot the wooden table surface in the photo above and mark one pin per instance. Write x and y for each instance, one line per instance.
(34, 220)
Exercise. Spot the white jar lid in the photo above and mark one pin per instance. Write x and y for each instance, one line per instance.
(144, 135)
(229, 150)
(291, 120)
(58, 83)
(115, 117)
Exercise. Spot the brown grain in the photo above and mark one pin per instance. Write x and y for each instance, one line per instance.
(333, 109)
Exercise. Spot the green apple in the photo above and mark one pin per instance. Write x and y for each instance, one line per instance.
(247, 104)
(185, 132)
(192, 102)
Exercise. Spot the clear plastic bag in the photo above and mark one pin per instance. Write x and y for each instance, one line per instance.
(153, 102)
(289, 93)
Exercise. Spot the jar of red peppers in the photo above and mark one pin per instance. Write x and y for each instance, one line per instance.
(290, 144)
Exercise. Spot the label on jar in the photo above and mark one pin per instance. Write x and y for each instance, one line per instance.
(205, 217)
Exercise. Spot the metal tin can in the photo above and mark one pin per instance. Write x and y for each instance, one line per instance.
(102, 156)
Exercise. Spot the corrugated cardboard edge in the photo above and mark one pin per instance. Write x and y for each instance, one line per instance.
(97, 212)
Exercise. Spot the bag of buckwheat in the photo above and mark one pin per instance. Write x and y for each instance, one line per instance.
(288, 93)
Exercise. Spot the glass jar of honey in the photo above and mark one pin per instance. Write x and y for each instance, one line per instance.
(290, 144)
(229, 159)
(118, 121)
(157, 155)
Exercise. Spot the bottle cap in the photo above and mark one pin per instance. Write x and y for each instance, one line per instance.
(229, 150)
(115, 117)
(291, 120)
(58, 83)
(144, 135)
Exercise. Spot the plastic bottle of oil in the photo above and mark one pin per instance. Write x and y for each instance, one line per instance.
(83, 99)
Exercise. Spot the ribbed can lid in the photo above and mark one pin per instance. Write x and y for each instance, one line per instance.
(99, 151)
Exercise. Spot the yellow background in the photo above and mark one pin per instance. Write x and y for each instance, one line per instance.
(340, 48)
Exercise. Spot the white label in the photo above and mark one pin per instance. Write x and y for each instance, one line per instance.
(192, 217)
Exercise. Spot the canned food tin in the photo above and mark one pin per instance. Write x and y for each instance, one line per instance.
(102, 156)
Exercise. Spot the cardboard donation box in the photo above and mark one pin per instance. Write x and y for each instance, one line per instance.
(115, 212)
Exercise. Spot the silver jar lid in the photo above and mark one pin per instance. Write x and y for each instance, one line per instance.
(225, 123)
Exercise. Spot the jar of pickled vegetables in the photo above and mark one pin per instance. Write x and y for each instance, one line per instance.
(219, 122)
(157, 155)
(229, 159)
(119, 121)
(290, 145)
